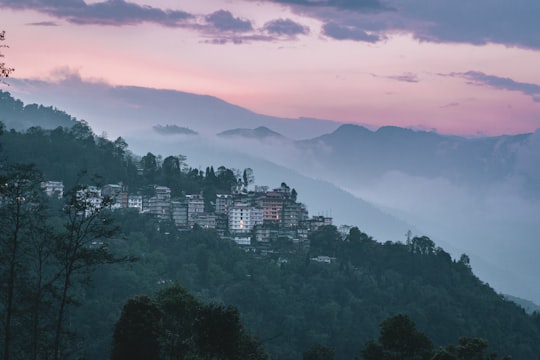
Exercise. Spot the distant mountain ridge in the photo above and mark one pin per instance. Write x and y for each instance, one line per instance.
(173, 130)
(416, 153)
(15, 115)
(260, 133)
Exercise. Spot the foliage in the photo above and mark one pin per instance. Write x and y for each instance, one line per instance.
(5, 70)
(136, 334)
(188, 329)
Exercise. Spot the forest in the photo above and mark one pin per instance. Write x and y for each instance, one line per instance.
(76, 281)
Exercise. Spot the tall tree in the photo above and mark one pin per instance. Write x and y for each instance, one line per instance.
(80, 246)
(399, 340)
(136, 334)
(20, 201)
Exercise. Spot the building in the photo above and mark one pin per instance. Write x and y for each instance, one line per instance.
(316, 222)
(113, 192)
(294, 214)
(195, 205)
(179, 211)
(91, 197)
(242, 218)
(271, 204)
(223, 203)
(136, 202)
(204, 220)
(160, 204)
(53, 188)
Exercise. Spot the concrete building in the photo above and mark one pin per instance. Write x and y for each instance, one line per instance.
(53, 188)
(135, 201)
(179, 211)
(223, 203)
(271, 204)
(195, 205)
(242, 218)
(160, 203)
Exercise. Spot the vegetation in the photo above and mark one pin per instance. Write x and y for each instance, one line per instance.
(5, 70)
(58, 301)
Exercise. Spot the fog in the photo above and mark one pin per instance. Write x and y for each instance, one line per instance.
(485, 204)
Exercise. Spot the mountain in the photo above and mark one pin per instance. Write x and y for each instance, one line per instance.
(126, 110)
(285, 297)
(478, 196)
(173, 130)
(15, 115)
(260, 133)
(417, 153)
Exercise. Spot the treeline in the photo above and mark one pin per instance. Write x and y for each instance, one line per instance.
(16, 115)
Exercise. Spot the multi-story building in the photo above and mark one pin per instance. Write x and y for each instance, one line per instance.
(272, 205)
(180, 213)
(135, 201)
(160, 203)
(242, 218)
(53, 188)
(223, 203)
(204, 220)
(113, 192)
(92, 199)
(316, 222)
(195, 205)
(293, 214)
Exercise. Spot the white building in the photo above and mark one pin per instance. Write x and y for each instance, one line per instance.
(55, 188)
(242, 218)
(135, 201)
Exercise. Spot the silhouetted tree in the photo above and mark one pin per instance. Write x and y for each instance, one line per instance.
(318, 352)
(399, 340)
(136, 333)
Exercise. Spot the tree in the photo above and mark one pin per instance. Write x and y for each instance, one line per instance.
(218, 331)
(248, 177)
(180, 311)
(422, 245)
(20, 210)
(467, 349)
(80, 246)
(399, 340)
(318, 352)
(5, 70)
(136, 333)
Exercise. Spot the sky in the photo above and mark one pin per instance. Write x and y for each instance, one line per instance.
(455, 67)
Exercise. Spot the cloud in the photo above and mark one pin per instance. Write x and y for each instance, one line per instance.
(450, 105)
(224, 21)
(341, 32)
(405, 77)
(496, 82)
(513, 23)
(44, 23)
(110, 12)
(339, 4)
(285, 27)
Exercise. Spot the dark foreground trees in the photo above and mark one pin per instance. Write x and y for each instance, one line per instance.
(400, 340)
(48, 248)
(177, 326)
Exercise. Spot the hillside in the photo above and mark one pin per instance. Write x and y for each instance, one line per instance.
(288, 298)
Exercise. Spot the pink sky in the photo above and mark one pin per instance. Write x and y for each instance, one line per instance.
(435, 67)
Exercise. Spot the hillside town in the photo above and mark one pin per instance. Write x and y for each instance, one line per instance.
(261, 215)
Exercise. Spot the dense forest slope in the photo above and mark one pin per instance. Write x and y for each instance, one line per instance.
(286, 298)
